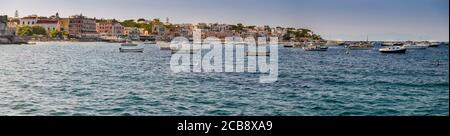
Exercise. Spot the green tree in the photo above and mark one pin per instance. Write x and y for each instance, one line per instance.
(25, 31)
(31, 31)
(129, 23)
(140, 19)
(38, 30)
(56, 33)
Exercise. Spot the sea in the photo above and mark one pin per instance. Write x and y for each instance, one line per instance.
(95, 79)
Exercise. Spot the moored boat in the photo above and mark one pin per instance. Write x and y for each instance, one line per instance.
(128, 43)
(395, 49)
(434, 44)
(149, 42)
(131, 50)
(314, 47)
(249, 53)
(129, 46)
(360, 46)
(414, 46)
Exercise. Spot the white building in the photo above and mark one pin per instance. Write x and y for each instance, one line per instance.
(28, 21)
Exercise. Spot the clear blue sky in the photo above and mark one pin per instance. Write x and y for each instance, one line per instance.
(333, 19)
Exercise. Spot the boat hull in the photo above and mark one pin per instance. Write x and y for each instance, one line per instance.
(140, 50)
(316, 49)
(257, 53)
(393, 51)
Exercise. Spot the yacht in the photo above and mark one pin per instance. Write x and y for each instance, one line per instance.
(394, 49)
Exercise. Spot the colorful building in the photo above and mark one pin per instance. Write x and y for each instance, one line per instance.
(82, 27)
(109, 28)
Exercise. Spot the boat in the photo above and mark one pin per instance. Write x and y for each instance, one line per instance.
(288, 45)
(267, 53)
(435, 44)
(394, 49)
(129, 46)
(184, 51)
(313, 47)
(149, 42)
(360, 46)
(131, 50)
(412, 45)
(128, 43)
(392, 44)
(164, 46)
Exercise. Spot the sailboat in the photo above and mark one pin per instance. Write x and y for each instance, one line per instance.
(361, 45)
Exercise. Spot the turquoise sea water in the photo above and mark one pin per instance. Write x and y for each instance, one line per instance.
(66, 79)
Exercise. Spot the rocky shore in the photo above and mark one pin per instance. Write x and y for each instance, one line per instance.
(12, 40)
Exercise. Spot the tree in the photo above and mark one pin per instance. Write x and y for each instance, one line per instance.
(129, 23)
(31, 31)
(38, 30)
(140, 20)
(25, 31)
(56, 33)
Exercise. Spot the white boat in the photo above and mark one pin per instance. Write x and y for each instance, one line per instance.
(434, 44)
(164, 46)
(394, 49)
(130, 47)
(191, 51)
(314, 47)
(149, 42)
(415, 46)
(128, 43)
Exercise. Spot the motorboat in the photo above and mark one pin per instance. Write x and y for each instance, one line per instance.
(314, 47)
(164, 46)
(129, 46)
(128, 43)
(394, 49)
(149, 42)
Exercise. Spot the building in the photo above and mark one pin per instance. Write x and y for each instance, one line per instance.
(82, 27)
(29, 20)
(49, 24)
(64, 25)
(13, 24)
(132, 32)
(109, 28)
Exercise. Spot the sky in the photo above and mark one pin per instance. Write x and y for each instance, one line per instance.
(332, 19)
